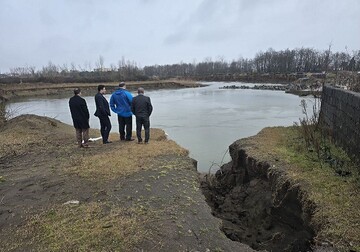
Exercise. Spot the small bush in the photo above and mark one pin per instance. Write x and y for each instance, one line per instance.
(318, 139)
(3, 114)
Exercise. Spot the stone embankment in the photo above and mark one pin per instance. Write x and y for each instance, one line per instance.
(340, 114)
(302, 90)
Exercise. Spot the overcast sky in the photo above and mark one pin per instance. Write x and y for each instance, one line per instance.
(34, 32)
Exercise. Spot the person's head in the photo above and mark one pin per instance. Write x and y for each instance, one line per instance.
(101, 89)
(122, 85)
(141, 90)
(77, 91)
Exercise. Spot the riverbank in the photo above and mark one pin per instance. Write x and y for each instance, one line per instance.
(116, 197)
(124, 196)
(276, 195)
(9, 91)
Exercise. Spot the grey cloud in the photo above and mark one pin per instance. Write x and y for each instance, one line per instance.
(175, 38)
(160, 31)
(46, 18)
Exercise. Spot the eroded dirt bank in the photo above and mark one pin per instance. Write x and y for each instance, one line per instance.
(258, 205)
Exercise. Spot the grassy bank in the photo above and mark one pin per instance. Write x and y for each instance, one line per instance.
(337, 214)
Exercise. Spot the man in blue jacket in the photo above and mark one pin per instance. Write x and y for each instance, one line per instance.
(120, 103)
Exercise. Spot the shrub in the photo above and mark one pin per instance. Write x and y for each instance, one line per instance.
(4, 115)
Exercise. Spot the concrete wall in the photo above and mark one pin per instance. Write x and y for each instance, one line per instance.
(340, 110)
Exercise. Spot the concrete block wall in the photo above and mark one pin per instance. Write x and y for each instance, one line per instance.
(340, 110)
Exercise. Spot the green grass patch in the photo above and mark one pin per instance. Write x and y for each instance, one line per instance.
(335, 193)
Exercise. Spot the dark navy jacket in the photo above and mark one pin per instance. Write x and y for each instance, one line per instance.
(141, 106)
(102, 106)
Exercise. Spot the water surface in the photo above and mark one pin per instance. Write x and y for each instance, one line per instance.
(203, 120)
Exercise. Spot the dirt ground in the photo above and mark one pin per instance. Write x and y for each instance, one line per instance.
(122, 196)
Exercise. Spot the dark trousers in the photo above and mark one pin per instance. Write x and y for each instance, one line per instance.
(105, 127)
(143, 121)
(125, 121)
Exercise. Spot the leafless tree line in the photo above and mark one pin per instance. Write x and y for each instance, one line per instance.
(281, 62)
(268, 62)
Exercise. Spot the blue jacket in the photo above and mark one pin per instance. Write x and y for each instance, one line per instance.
(120, 102)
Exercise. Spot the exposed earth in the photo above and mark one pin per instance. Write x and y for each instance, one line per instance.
(122, 196)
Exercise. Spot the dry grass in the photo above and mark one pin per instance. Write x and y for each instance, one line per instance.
(337, 198)
(24, 133)
(3, 114)
(90, 226)
(87, 227)
(126, 158)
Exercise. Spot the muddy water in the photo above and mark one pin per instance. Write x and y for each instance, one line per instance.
(204, 120)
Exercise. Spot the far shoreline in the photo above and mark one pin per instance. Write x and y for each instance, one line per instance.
(10, 91)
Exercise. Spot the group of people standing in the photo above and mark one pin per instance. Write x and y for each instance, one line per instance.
(122, 103)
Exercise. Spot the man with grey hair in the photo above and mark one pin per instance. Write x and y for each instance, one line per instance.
(142, 108)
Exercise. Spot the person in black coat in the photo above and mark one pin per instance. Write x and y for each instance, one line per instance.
(142, 108)
(103, 113)
(80, 116)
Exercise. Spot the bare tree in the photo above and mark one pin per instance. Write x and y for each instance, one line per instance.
(100, 63)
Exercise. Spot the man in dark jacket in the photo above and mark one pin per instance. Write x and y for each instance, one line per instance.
(120, 103)
(142, 109)
(103, 113)
(80, 116)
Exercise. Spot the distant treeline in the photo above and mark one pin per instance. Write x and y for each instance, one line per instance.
(283, 62)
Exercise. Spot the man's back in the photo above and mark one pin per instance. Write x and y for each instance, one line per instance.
(141, 106)
(79, 112)
(120, 102)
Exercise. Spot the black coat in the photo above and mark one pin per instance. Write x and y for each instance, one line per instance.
(102, 106)
(79, 112)
(141, 106)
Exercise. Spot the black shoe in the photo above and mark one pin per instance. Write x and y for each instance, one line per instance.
(107, 142)
(129, 140)
(140, 142)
